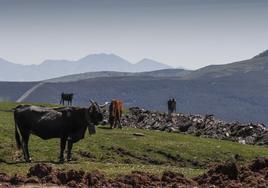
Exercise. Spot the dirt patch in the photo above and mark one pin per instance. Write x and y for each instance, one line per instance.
(143, 179)
(6, 185)
(40, 170)
(259, 165)
(43, 174)
(228, 175)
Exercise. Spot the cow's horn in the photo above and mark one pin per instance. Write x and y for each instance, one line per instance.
(103, 105)
(92, 102)
(97, 106)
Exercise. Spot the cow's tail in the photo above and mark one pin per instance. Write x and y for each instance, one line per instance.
(17, 136)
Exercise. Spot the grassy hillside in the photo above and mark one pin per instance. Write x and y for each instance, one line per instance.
(119, 151)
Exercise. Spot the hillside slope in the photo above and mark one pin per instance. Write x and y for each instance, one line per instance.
(234, 98)
(254, 66)
(118, 151)
(102, 74)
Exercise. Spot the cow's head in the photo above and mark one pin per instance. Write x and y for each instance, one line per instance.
(94, 116)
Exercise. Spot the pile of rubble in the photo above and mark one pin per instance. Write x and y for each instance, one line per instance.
(226, 175)
(205, 126)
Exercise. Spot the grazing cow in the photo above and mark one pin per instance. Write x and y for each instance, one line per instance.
(115, 113)
(67, 123)
(67, 97)
(171, 106)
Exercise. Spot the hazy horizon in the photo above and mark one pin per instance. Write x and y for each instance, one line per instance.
(179, 33)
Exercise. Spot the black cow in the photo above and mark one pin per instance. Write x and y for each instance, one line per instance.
(67, 123)
(67, 97)
(171, 106)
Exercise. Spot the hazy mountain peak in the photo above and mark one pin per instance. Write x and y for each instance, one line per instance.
(263, 54)
(150, 62)
(102, 56)
(150, 65)
(7, 63)
(1, 59)
(147, 60)
(4, 61)
(90, 63)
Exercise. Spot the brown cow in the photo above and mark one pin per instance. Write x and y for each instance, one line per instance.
(115, 113)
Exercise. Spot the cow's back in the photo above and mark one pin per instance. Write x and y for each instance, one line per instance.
(120, 107)
(116, 108)
(41, 121)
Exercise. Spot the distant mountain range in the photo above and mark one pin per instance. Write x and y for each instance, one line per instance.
(56, 68)
(235, 91)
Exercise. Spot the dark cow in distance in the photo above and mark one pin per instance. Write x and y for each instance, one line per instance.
(67, 123)
(115, 113)
(171, 106)
(67, 97)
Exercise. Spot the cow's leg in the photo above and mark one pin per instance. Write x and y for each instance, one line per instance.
(25, 139)
(119, 123)
(62, 148)
(111, 122)
(119, 118)
(115, 122)
(69, 152)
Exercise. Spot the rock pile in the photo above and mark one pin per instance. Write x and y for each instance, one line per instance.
(205, 126)
(226, 175)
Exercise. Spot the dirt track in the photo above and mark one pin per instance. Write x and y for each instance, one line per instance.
(228, 175)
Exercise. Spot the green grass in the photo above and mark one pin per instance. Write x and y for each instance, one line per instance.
(119, 151)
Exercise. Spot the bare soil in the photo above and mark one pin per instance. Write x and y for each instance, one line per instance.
(227, 175)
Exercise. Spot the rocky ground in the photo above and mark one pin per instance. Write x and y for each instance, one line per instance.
(205, 126)
(227, 175)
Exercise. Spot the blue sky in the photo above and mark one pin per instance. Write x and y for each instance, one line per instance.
(180, 33)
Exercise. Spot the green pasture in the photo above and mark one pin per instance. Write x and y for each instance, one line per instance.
(118, 151)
